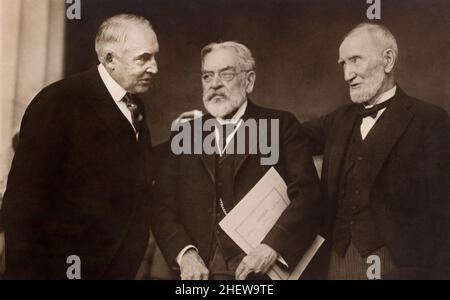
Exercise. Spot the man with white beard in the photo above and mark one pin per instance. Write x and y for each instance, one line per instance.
(195, 192)
(386, 171)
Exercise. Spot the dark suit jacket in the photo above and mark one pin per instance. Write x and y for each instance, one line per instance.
(79, 184)
(186, 204)
(407, 179)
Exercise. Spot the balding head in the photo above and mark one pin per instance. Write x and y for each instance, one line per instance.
(381, 36)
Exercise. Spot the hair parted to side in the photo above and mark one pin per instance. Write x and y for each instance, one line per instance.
(113, 32)
(245, 59)
(385, 38)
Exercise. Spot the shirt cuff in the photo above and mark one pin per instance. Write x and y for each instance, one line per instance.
(281, 260)
(178, 258)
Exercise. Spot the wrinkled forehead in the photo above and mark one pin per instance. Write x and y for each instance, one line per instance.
(358, 43)
(220, 59)
(141, 38)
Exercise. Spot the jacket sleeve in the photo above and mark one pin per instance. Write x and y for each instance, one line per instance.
(32, 178)
(317, 131)
(299, 224)
(169, 232)
(437, 145)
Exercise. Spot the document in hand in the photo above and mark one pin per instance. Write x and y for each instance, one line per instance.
(252, 218)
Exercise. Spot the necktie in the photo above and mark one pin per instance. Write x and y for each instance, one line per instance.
(136, 116)
(373, 111)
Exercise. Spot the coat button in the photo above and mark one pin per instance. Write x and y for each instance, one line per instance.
(209, 210)
(354, 207)
(153, 182)
(360, 158)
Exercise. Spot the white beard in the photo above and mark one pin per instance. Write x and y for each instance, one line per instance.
(223, 108)
(370, 88)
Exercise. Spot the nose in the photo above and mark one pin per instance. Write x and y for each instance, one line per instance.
(216, 82)
(349, 73)
(152, 67)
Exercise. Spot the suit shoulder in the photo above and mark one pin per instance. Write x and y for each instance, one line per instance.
(428, 110)
(271, 113)
(60, 94)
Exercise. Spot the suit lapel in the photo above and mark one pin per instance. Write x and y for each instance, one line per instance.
(239, 159)
(105, 108)
(339, 147)
(207, 159)
(250, 113)
(395, 120)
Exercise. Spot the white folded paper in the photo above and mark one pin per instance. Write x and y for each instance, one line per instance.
(252, 218)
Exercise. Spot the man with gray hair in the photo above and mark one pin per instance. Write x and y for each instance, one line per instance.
(197, 191)
(385, 170)
(77, 197)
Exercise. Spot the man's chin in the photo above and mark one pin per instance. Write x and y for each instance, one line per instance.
(359, 97)
(142, 87)
(218, 111)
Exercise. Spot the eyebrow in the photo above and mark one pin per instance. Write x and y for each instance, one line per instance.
(144, 55)
(341, 61)
(221, 70)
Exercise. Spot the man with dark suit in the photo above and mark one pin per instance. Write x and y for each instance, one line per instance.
(79, 182)
(196, 191)
(386, 170)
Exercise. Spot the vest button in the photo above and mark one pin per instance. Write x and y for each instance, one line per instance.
(209, 210)
(217, 231)
(354, 207)
(352, 223)
(357, 192)
(360, 158)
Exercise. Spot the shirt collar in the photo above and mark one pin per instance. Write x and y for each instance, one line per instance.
(236, 117)
(384, 97)
(117, 92)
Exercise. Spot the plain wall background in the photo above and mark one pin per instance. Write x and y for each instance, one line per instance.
(295, 44)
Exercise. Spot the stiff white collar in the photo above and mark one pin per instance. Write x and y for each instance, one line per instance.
(384, 97)
(117, 92)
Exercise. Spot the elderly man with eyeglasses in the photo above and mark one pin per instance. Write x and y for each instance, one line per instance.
(196, 191)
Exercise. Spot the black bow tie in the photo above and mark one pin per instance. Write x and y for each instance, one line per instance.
(373, 111)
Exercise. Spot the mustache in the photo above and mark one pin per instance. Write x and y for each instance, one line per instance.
(214, 94)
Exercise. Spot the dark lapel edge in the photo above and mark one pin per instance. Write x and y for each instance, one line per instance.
(251, 112)
(103, 105)
(396, 119)
(339, 147)
(207, 159)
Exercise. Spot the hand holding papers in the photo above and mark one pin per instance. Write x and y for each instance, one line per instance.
(252, 218)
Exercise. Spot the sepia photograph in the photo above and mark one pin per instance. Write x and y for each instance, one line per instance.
(257, 140)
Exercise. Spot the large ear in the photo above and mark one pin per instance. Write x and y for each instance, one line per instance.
(250, 81)
(110, 57)
(389, 59)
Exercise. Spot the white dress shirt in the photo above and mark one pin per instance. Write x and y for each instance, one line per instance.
(368, 122)
(117, 93)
